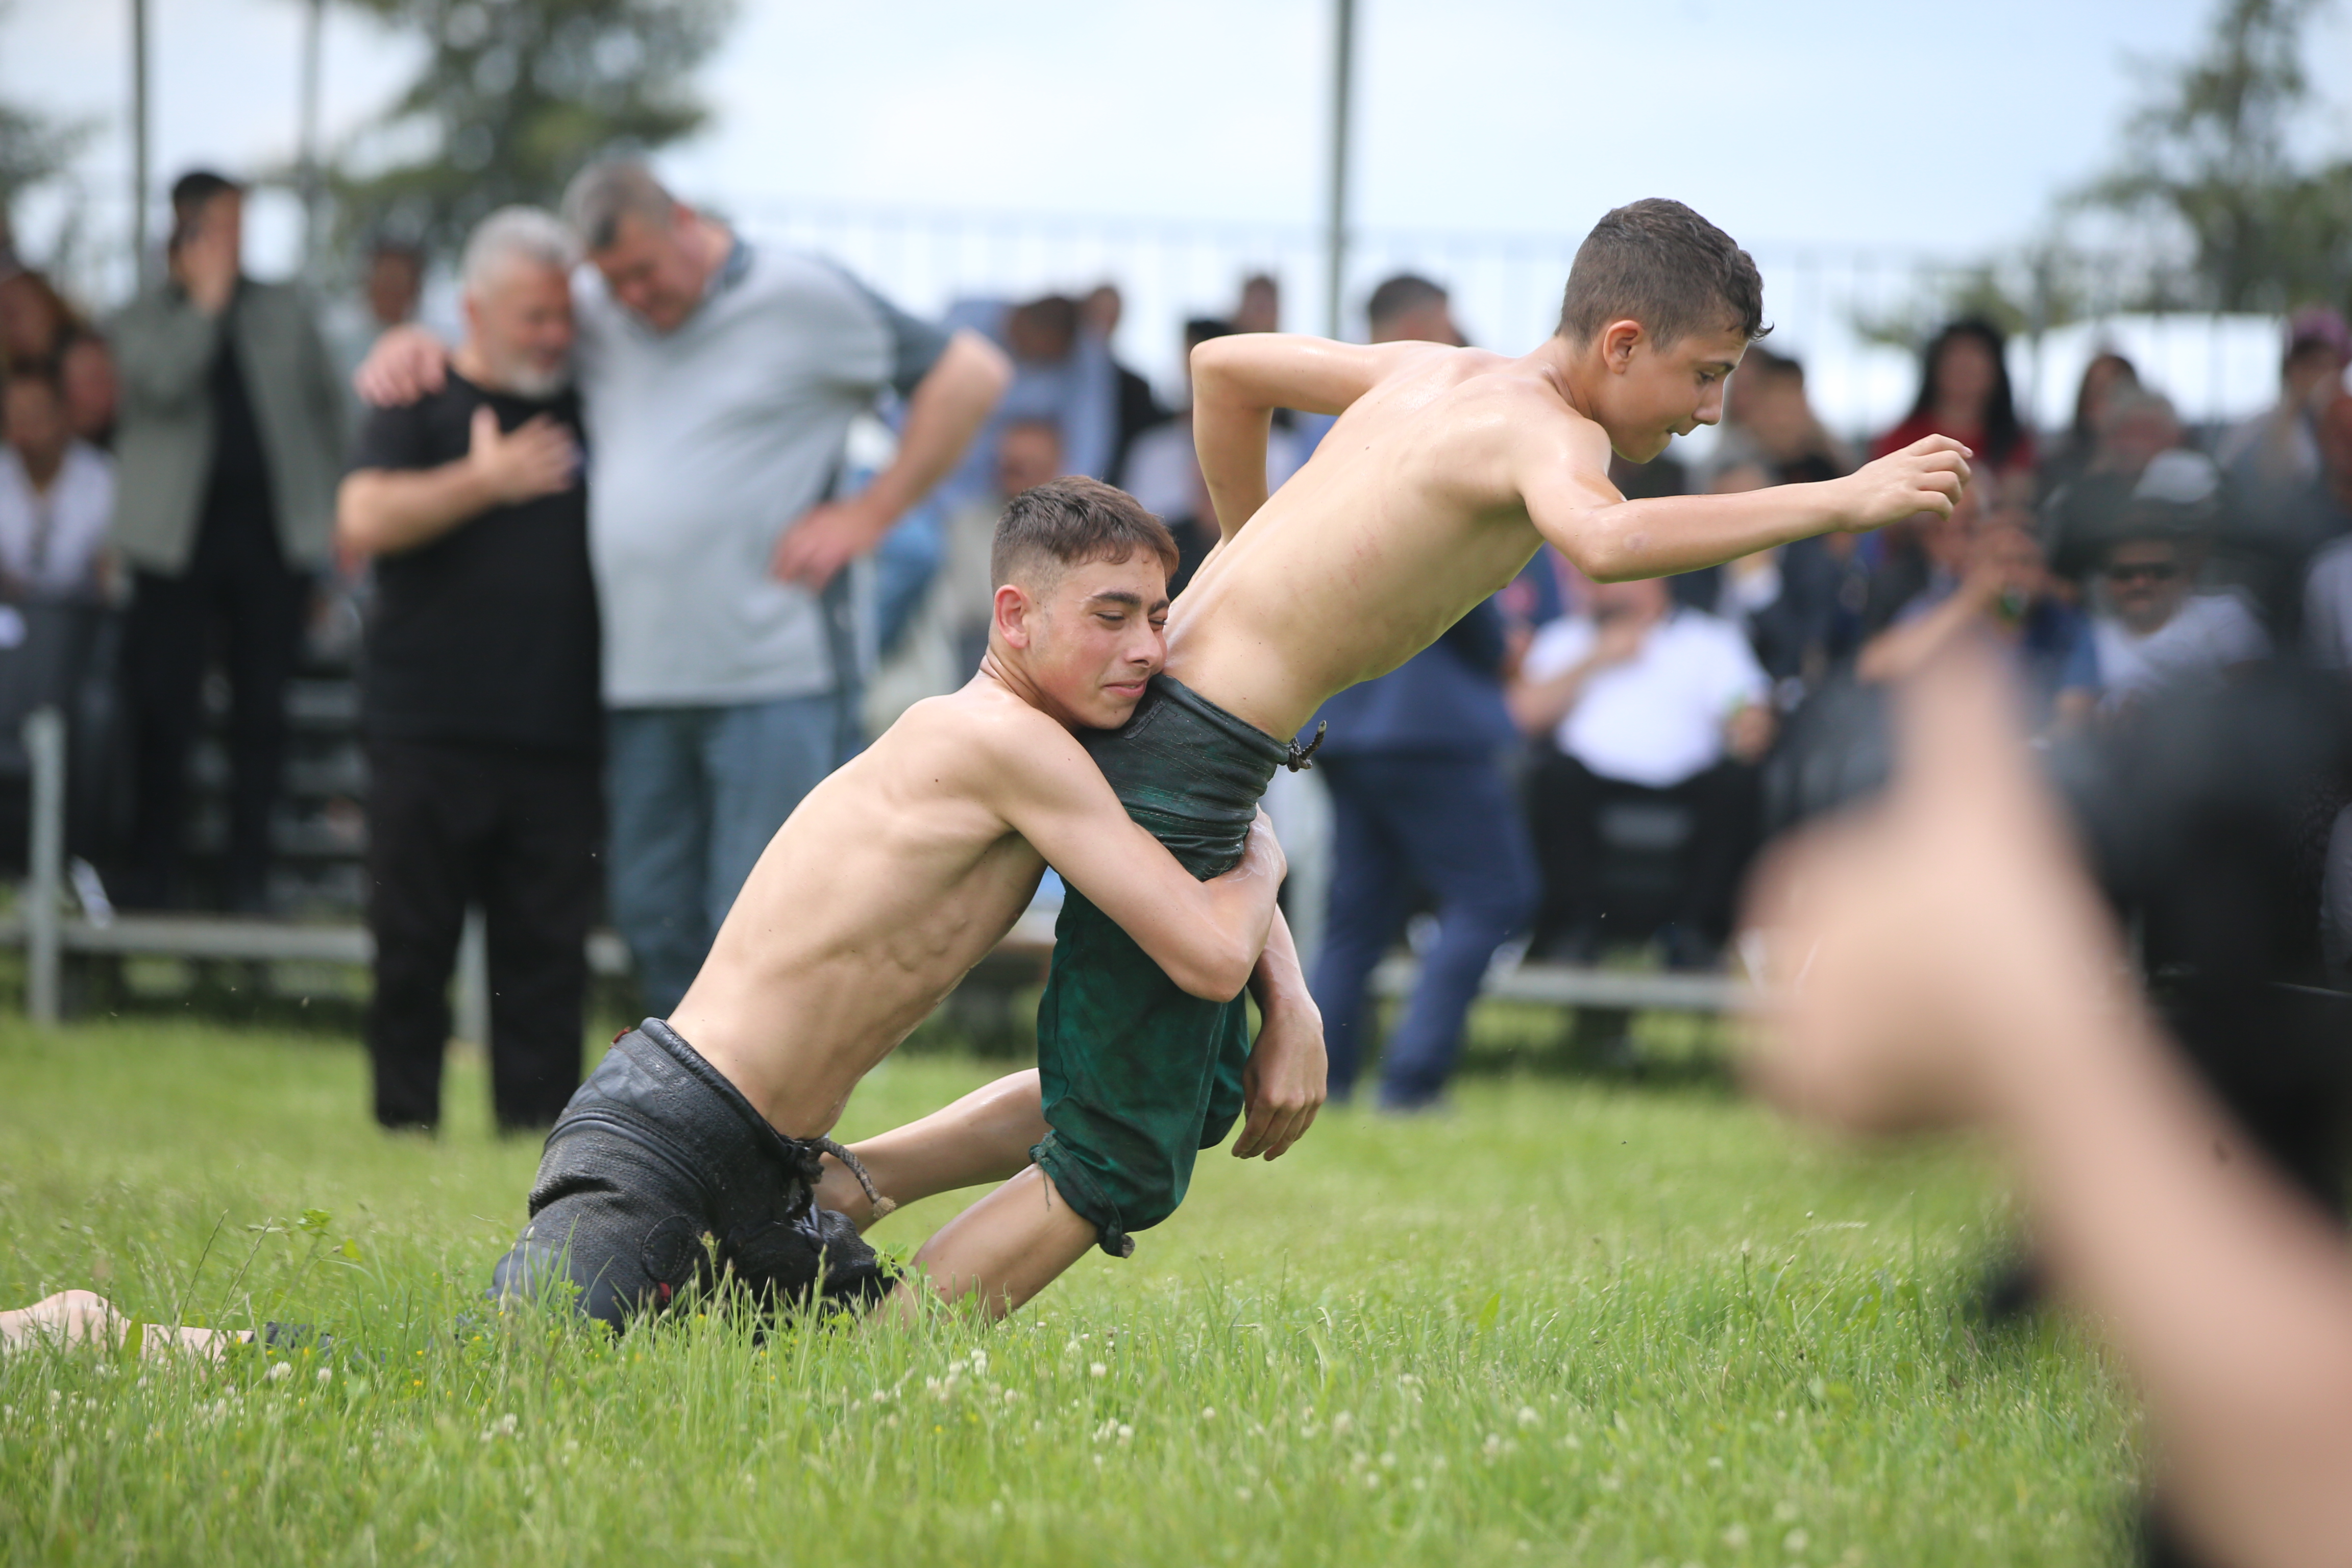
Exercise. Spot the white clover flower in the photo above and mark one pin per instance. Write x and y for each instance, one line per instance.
(1735, 1537)
(1528, 1416)
(1796, 1541)
(1493, 1445)
(279, 1371)
(1342, 1423)
(326, 1374)
(1208, 1413)
(980, 1363)
(1126, 1433)
(1242, 1493)
(1096, 1369)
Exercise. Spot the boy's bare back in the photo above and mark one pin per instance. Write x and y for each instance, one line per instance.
(1446, 469)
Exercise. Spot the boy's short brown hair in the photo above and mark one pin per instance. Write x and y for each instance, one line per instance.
(1069, 522)
(1659, 263)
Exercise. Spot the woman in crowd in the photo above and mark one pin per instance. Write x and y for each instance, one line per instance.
(1964, 393)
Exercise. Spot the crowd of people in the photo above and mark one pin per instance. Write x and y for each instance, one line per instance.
(602, 699)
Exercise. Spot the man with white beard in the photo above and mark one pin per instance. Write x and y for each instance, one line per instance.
(479, 701)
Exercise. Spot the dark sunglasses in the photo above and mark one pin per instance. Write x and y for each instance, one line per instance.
(2153, 571)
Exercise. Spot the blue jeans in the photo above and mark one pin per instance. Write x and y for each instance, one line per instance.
(695, 794)
(1399, 823)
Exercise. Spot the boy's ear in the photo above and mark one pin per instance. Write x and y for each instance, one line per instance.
(1015, 615)
(1618, 339)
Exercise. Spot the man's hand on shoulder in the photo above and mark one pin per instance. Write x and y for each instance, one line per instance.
(407, 362)
(1926, 476)
(537, 457)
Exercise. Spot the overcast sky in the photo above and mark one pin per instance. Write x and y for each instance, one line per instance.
(1941, 129)
(1839, 121)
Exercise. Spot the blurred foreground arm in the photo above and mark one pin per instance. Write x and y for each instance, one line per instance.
(1943, 959)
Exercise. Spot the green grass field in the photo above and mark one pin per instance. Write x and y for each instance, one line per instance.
(1569, 1323)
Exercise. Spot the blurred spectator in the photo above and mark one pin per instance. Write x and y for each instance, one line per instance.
(479, 704)
(1259, 309)
(1062, 372)
(1137, 405)
(390, 291)
(1986, 574)
(229, 447)
(2327, 594)
(56, 494)
(1653, 705)
(720, 380)
(35, 320)
(2107, 375)
(1964, 393)
(1786, 598)
(1420, 806)
(2131, 426)
(1164, 473)
(1028, 454)
(2278, 450)
(93, 392)
(2147, 628)
(1776, 425)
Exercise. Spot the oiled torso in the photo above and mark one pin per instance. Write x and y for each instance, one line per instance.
(1405, 518)
(882, 890)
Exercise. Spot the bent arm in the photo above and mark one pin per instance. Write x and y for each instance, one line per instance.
(165, 351)
(383, 511)
(1206, 935)
(949, 404)
(1239, 381)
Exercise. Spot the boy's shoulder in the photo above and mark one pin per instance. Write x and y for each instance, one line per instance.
(980, 731)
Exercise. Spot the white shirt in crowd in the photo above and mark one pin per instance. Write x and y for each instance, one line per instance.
(1658, 718)
(51, 542)
(2207, 634)
(2328, 606)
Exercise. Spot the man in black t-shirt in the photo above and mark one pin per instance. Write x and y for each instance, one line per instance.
(479, 698)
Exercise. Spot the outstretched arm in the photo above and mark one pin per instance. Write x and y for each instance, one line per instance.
(1239, 381)
(1206, 935)
(1946, 961)
(1613, 539)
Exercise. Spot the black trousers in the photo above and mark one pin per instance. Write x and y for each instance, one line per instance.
(1565, 800)
(521, 834)
(237, 592)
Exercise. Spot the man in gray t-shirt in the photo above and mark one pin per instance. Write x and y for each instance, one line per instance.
(719, 381)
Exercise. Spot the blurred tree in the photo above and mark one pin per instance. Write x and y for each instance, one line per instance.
(514, 97)
(2212, 165)
(34, 150)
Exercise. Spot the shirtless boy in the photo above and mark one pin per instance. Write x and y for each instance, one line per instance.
(1446, 469)
(894, 876)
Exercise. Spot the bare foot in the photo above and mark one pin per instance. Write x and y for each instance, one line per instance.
(72, 1317)
(68, 1318)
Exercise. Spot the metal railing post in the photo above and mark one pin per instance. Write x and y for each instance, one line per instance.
(45, 747)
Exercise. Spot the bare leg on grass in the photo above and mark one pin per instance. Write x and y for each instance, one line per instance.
(83, 1317)
(984, 1137)
(1003, 1249)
